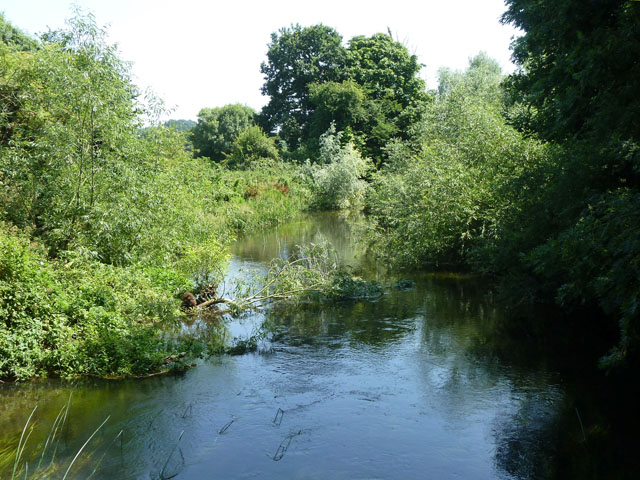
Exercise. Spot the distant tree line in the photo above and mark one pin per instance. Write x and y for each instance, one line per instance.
(370, 90)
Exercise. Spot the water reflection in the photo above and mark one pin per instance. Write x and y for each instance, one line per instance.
(404, 386)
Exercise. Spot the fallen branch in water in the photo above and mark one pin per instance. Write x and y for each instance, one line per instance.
(309, 269)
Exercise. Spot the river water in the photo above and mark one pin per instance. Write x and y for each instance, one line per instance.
(413, 384)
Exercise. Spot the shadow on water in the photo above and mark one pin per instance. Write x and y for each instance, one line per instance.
(413, 384)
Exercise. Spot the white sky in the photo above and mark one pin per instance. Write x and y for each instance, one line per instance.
(196, 54)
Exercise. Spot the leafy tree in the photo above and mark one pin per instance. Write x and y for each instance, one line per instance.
(250, 145)
(370, 90)
(218, 127)
(386, 70)
(15, 38)
(395, 93)
(181, 125)
(298, 57)
(578, 86)
(452, 189)
(482, 80)
(337, 180)
(74, 119)
(578, 71)
(339, 103)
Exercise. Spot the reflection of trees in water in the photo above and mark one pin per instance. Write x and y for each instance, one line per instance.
(471, 357)
(527, 439)
(471, 361)
(382, 321)
(456, 356)
(344, 233)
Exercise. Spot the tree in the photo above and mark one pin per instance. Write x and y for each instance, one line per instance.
(371, 90)
(482, 79)
(217, 128)
(181, 125)
(453, 188)
(385, 70)
(250, 145)
(337, 180)
(298, 57)
(74, 117)
(578, 85)
(396, 95)
(578, 74)
(15, 38)
(338, 103)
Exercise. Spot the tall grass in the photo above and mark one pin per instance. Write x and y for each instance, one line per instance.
(45, 454)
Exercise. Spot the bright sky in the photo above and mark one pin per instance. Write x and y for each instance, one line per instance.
(196, 54)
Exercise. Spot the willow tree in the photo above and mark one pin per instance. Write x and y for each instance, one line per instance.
(73, 166)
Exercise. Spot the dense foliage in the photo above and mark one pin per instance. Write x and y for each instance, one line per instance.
(298, 57)
(454, 187)
(217, 128)
(579, 86)
(106, 219)
(337, 180)
(181, 125)
(476, 187)
(14, 38)
(370, 89)
(106, 223)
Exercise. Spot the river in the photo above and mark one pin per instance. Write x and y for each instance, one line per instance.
(413, 384)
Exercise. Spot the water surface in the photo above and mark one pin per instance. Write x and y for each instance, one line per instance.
(413, 384)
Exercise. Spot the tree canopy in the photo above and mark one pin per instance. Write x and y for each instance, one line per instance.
(578, 85)
(217, 128)
(298, 57)
(181, 125)
(15, 38)
(370, 89)
(579, 68)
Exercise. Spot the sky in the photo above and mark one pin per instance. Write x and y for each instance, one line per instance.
(195, 54)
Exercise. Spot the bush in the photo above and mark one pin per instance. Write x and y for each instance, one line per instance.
(217, 128)
(76, 316)
(337, 181)
(451, 189)
(251, 145)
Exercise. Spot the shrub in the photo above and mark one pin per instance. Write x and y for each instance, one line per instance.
(337, 181)
(250, 145)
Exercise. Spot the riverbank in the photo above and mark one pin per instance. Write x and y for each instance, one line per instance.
(74, 315)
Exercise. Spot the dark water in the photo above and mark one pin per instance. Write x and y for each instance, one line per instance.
(414, 384)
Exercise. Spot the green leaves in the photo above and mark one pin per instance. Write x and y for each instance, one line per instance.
(217, 128)
(452, 189)
(578, 68)
(370, 90)
(296, 58)
(337, 180)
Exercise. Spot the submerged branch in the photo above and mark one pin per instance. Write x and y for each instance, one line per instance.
(311, 270)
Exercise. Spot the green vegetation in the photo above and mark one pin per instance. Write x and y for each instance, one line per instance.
(337, 180)
(14, 38)
(311, 272)
(536, 184)
(370, 90)
(451, 190)
(181, 125)
(108, 218)
(214, 134)
(105, 224)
